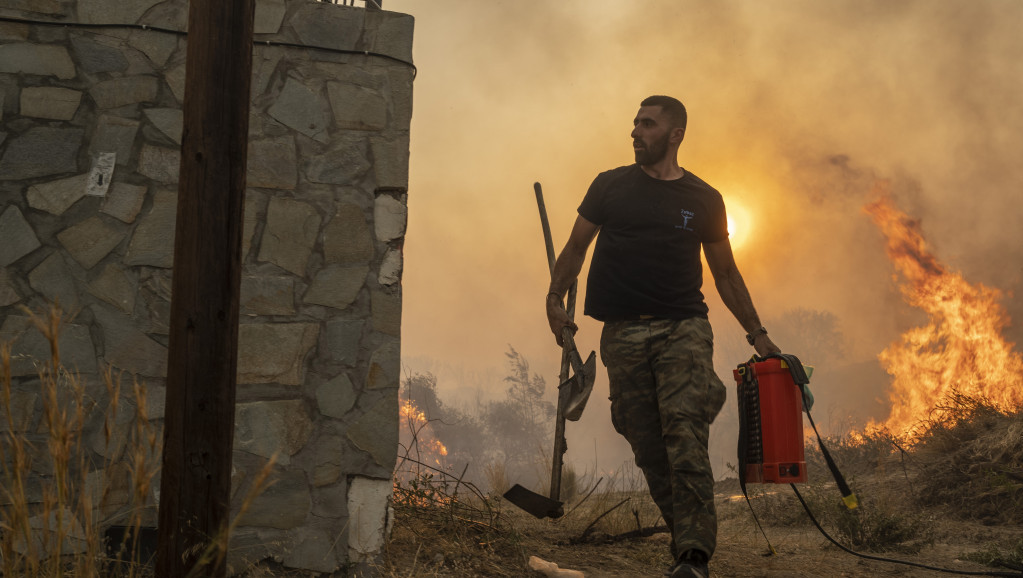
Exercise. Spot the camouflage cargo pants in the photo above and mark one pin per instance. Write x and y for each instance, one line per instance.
(664, 395)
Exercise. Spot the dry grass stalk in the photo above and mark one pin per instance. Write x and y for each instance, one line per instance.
(60, 532)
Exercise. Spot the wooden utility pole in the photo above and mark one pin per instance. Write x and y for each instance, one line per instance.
(203, 350)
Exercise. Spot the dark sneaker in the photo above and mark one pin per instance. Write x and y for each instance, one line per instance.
(687, 570)
(692, 564)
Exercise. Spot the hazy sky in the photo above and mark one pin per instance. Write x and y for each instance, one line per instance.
(796, 110)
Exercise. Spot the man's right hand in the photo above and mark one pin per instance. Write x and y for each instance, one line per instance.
(558, 319)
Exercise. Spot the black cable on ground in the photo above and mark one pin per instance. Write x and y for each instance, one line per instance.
(183, 33)
(893, 560)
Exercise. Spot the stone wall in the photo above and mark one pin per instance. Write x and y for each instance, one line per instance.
(90, 131)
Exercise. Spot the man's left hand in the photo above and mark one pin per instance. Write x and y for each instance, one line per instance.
(764, 346)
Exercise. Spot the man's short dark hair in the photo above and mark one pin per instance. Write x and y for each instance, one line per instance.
(672, 106)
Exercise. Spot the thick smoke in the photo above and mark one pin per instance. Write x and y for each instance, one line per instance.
(797, 110)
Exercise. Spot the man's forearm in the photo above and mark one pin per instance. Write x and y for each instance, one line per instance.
(736, 297)
(566, 269)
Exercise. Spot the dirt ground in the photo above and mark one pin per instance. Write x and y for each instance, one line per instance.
(801, 550)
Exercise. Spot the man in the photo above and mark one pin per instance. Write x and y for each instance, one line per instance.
(644, 284)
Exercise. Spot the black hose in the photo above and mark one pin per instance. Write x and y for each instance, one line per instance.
(893, 560)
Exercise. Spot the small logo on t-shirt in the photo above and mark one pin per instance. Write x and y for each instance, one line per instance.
(686, 217)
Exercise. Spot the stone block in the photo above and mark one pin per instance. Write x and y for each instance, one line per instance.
(390, 161)
(290, 234)
(400, 84)
(175, 78)
(337, 286)
(328, 25)
(111, 440)
(386, 312)
(264, 68)
(302, 109)
(169, 121)
(40, 152)
(155, 290)
(153, 241)
(49, 528)
(376, 432)
(114, 135)
(323, 475)
(8, 294)
(357, 107)
(336, 397)
(274, 352)
(36, 59)
(340, 342)
(37, 6)
(344, 72)
(327, 455)
(331, 501)
(14, 32)
(17, 238)
(22, 409)
(312, 549)
(52, 279)
(127, 348)
(261, 295)
(160, 164)
(389, 218)
(393, 34)
(118, 92)
(90, 240)
(344, 162)
(113, 11)
(283, 505)
(269, 16)
(347, 238)
(55, 197)
(390, 267)
(255, 204)
(117, 287)
(124, 201)
(368, 503)
(98, 54)
(156, 399)
(385, 366)
(50, 102)
(266, 428)
(29, 346)
(249, 546)
(156, 46)
(273, 163)
(172, 14)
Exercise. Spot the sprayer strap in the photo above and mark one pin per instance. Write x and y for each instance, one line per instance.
(748, 381)
(800, 378)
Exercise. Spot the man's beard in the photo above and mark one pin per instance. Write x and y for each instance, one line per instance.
(654, 153)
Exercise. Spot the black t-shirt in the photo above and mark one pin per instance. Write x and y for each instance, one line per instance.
(647, 257)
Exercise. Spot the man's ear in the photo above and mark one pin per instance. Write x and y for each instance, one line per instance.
(677, 134)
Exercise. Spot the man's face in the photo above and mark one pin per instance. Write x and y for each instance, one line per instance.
(650, 135)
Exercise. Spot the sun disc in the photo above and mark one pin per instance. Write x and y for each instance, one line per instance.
(740, 224)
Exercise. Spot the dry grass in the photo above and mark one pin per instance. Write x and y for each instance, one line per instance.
(445, 526)
(58, 496)
(915, 497)
(971, 461)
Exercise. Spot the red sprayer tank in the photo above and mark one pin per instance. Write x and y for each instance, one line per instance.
(771, 423)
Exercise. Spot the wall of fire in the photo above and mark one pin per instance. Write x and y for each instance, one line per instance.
(90, 130)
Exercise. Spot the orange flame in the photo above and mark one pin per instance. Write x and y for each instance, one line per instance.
(961, 347)
(418, 436)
